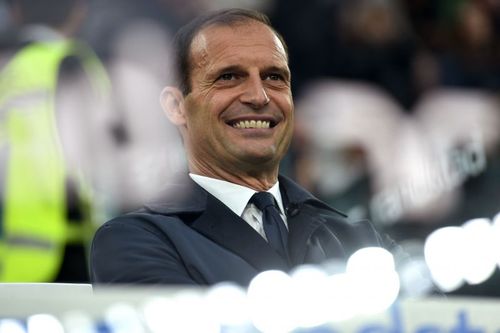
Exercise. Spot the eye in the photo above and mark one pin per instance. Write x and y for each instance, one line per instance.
(274, 77)
(227, 77)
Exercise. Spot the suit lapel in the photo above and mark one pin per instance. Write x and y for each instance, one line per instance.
(303, 220)
(301, 227)
(224, 227)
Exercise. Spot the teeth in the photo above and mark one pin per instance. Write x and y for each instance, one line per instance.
(252, 124)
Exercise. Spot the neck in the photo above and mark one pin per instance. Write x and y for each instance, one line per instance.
(259, 180)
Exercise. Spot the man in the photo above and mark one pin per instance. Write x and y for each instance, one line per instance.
(233, 107)
(44, 212)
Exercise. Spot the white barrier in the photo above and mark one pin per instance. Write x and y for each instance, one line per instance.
(105, 308)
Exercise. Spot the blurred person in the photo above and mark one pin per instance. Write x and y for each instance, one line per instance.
(149, 150)
(307, 28)
(359, 40)
(377, 45)
(400, 170)
(232, 215)
(48, 80)
(470, 142)
(470, 60)
(349, 129)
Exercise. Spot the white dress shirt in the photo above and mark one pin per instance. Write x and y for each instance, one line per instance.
(236, 198)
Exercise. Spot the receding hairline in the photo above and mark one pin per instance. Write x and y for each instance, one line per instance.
(241, 22)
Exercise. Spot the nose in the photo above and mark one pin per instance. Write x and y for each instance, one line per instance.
(254, 94)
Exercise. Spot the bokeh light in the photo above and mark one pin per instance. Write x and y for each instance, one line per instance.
(43, 323)
(312, 303)
(443, 254)
(375, 281)
(470, 253)
(271, 302)
(123, 318)
(478, 255)
(78, 322)
(175, 314)
(227, 304)
(11, 326)
(496, 237)
(340, 290)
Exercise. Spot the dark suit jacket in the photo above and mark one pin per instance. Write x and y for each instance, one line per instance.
(193, 238)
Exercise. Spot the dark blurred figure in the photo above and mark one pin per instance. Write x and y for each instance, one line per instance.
(471, 59)
(356, 40)
(457, 46)
(309, 28)
(44, 201)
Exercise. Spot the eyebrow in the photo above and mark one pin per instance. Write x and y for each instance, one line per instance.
(231, 68)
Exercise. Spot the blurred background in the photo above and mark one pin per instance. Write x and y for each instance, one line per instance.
(396, 105)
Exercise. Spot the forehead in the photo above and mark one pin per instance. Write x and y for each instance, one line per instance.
(219, 42)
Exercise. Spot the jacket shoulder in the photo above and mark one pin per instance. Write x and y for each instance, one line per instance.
(139, 248)
(145, 220)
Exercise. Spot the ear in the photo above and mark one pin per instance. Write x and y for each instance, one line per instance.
(172, 102)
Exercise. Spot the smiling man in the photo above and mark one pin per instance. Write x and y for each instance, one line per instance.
(233, 216)
(236, 119)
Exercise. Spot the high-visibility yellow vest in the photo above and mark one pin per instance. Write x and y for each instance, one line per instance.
(33, 222)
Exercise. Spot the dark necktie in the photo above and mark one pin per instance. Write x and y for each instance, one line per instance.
(274, 226)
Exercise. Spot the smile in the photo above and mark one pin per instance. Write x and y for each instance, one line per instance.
(252, 124)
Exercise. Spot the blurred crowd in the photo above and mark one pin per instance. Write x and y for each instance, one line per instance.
(397, 110)
(396, 105)
(397, 101)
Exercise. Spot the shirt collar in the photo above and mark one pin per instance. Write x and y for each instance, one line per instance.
(234, 196)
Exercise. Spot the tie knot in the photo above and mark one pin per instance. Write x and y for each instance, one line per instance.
(263, 200)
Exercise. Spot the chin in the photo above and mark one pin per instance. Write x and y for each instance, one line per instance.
(260, 161)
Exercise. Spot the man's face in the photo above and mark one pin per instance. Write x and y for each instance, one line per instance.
(239, 113)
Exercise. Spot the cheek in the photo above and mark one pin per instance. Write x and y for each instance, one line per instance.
(197, 110)
(203, 121)
(210, 104)
(220, 101)
(285, 103)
